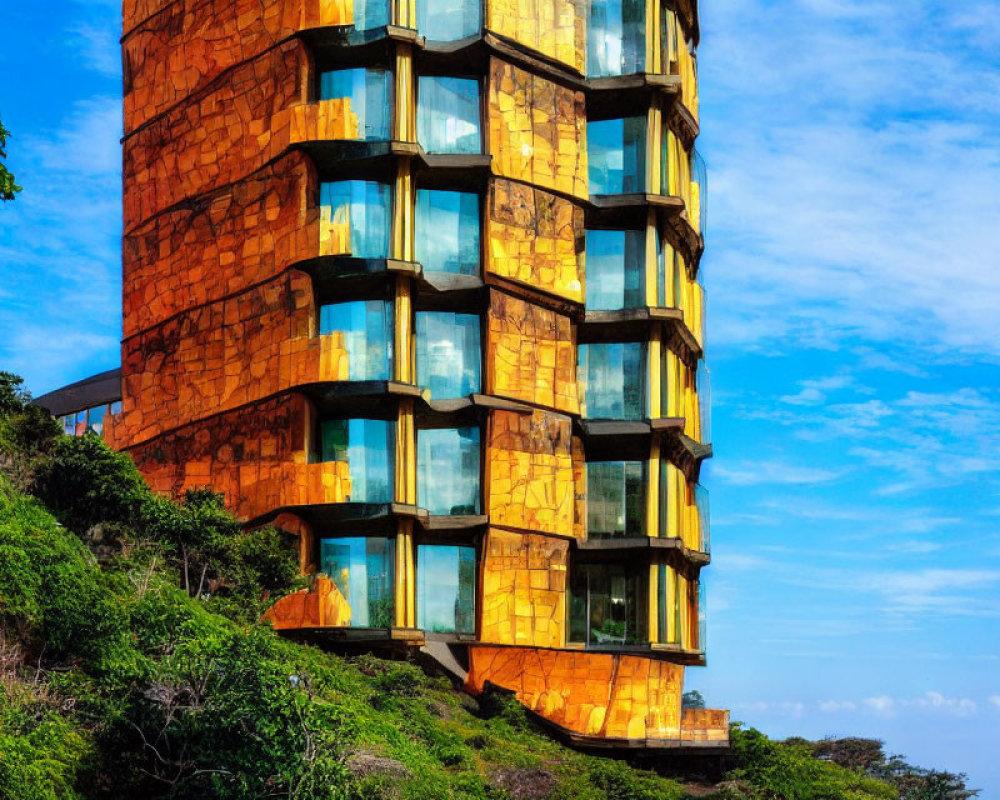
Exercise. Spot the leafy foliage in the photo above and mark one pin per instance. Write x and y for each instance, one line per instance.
(8, 188)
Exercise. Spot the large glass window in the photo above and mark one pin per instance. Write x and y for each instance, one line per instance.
(448, 353)
(359, 215)
(362, 571)
(669, 605)
(446, 589)
(448, 231)
(448, 470)
(448, 20)
(368, 97)
(369, 448)
(448, 115)
(616, 37)
(612, 375)
(365, 327)
(616, 499)
(615, 269)
(368, 14)
(616, 155)
(607, 605)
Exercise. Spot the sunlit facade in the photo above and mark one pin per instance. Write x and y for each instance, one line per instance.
(419, 284)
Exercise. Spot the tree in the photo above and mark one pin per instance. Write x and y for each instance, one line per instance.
(693, 699)
(7, 186)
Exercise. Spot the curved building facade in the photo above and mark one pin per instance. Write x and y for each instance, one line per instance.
(418, 282)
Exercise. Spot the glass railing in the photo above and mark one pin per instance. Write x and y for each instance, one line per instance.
(703, 380)
(448, 353)
(616, 37)
(698, 212)
(616, 499)
(368, 448)
(448, 467)
(703, 518)
(608, 606)
(448, 115)
(616, 155)
(363, 333)
(446, 589)
(449, 20)
(702, 601)
(447, 231)
(365, 99)
(363, 574)
(363, 15)
(355, 219)
(616, 269)
(612, 380)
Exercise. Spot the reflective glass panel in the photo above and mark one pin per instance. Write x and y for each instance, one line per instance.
(446, 589)
(448, 470)
(607, 605)
(448, 115)
(616, 37)
(368, 447)
(361, 215)
(615, 269)
(447, 231)
(448, 353)
(616, 155)
(370, 14)
(95, 419)
(368, 96)
(663, 629)
(612, 376)
(616, 499)
(448, 20)
(362, 571)
(365, 332)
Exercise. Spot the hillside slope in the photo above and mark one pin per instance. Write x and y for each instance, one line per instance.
(132, 665)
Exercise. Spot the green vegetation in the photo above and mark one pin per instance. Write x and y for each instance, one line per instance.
(7, 186)
(132, 665)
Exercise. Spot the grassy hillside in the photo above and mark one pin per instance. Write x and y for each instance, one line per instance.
(131, 665)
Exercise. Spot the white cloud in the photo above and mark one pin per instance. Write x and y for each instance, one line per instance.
(836, 211)
(752, 473)
(995, 700)
(837, 706)
(98, 48)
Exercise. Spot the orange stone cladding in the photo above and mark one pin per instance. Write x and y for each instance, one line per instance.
(256, 457)
(233, 238)
(221, 349)
(173, 48)
(606, 696)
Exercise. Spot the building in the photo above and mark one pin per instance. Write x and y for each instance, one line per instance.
(419, 283)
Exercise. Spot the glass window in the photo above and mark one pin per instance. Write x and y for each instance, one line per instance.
(360, 217)
(616, 155)
(607, 605)
(69, 424)
(612, 375)
(446, 589)
(95, 419)
(616, 499)
(616, 269)
(448, 470)
(368, 100)
(448, 115)
(369, 448)
(448, 20)
(616, 37)
(362, 571)
(448, 353)
(366, 330)
(447, 231)
(669, 605)
(368, 14)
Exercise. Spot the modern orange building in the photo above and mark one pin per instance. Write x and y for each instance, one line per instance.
(418, 282)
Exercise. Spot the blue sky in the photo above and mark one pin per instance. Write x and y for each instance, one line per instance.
(854, 227)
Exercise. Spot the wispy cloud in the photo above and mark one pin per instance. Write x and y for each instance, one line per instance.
(836, 208)
(929, 702)
(752, 473)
